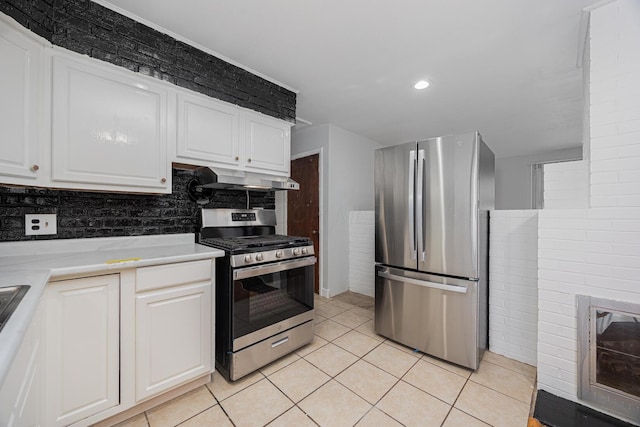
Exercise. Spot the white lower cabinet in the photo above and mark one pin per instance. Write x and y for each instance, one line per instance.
(173, 337)
(100, 345)
(20, 402)
(174, 332)
(82, 329)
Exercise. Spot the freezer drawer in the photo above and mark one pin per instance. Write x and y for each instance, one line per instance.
(434, 314)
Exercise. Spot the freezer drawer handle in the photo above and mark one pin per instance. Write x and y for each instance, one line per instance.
(450, 288)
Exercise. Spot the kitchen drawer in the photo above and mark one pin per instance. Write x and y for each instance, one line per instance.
(167, 275)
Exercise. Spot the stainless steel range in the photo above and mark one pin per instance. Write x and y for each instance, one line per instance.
(264, 289)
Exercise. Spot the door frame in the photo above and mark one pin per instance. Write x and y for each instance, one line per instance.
(281, 206)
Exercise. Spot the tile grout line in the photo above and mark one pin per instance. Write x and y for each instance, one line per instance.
(453, 405)
(333, 377)
(358, 358)
(498, 391)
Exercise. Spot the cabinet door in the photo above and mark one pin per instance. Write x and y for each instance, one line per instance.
(173, 337)
(21, 97)
(207, 130)
(109, 129)
(267, 143)
(82, 348)
(20, 392)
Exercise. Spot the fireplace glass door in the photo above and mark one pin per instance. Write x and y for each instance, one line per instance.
(617, 351)
(609, 355)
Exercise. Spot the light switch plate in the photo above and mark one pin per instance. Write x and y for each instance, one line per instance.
(40, 224)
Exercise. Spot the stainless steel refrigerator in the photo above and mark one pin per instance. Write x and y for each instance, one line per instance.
(432, 202)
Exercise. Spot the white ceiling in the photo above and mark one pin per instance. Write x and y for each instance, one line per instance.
(504, 67)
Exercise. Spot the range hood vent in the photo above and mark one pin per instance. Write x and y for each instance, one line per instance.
(228, 179)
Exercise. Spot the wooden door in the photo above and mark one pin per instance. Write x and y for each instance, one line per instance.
(303, 206)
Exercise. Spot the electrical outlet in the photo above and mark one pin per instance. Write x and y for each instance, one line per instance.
(38, 225)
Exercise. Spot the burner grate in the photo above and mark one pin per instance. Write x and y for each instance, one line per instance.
(249, 242)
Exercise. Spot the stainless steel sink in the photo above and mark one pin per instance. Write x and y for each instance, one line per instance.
(10, 297)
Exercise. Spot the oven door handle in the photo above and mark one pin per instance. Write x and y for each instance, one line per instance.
(259, 270)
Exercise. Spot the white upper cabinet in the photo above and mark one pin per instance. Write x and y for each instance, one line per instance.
(110, 128)
(21, 107)
(216, 133)
(207, 130)
(69, 121)
(267, 143)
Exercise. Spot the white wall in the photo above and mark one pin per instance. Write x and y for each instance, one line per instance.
(513, 281)
(566, 185)
(348, 161)
(615, 104)
(580, 252)
(351, 164)
(595, 251)
(513, 176)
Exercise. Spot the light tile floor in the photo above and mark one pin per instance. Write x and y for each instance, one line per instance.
(349, 376)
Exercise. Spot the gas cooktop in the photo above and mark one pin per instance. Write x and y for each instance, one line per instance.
(271, 241)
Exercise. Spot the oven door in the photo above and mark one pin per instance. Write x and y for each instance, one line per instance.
(270, 298)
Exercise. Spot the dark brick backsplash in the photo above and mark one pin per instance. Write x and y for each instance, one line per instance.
(91, 29)
(83, 214)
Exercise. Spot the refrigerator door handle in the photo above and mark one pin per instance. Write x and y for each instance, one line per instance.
(419, 211)
(426, 284)
(411, 208)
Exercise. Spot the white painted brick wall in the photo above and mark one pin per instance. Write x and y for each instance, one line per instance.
(580, 252)
(513, 295)
(595, 251)
(615, 104)
(566, 185)
(361, 252)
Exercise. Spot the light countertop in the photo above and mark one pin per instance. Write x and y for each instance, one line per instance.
(33, 263)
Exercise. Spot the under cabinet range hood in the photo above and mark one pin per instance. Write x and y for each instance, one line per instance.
(228, 179)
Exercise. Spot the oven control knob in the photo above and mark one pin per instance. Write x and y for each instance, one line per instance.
(296, 251)
(247, 258)
(304, 251)
(279, 254)
(259, 257)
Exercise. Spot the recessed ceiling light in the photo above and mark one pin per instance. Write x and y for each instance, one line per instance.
(422, 84)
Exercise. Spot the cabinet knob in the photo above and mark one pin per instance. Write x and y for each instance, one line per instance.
(35, 168)
(249, 160)
(237, 158)
(163, 180)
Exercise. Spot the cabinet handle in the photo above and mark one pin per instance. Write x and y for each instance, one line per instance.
(163, 180)
(249, 160)
(35, 168)
(237, 158)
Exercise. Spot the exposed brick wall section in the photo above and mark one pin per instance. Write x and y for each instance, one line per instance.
(88, 214)
(91, 29)
(36, 15)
